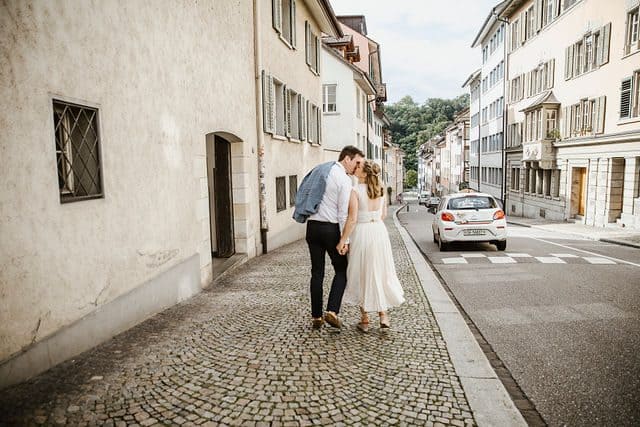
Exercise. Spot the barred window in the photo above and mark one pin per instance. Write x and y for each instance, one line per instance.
(293, 189)
(281, 193)
(77, 151)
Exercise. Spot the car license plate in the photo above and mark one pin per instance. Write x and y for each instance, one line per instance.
(473, 232)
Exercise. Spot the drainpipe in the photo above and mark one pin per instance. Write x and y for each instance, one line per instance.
(262, 186)
(503, 183)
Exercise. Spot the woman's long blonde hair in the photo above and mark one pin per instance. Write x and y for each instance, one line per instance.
(372, 179)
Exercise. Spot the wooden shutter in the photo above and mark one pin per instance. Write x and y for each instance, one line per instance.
(626, 88)
(605, 34)
(539, 10)
(599, 48)
(307, 40)
(303, 119)
(601, 109)
(521, 77)
(287, 111)
(566, 128)
(268, 111)
(318, 49)
(568, 62)
(551, 69)
(276, 15)
(293, 23)
(319, 124)
(522, 27)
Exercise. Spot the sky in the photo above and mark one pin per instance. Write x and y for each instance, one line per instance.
(425, 44)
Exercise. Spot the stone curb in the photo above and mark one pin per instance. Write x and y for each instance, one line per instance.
(487, 397)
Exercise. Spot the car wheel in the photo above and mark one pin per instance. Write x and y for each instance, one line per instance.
(442, 245)
(502, 245)
(434, 236)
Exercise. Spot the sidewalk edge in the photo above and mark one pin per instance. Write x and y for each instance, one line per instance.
(579, 235)
(489, 401)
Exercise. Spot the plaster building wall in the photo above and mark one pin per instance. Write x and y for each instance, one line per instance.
(289, 158)
(597, 167)
(342, 127)
(491, 126)
(64, 263)
(474, 129)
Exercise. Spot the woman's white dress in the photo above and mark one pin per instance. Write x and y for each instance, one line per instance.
(372, 282)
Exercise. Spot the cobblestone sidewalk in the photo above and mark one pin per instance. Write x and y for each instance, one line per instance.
(243, 353)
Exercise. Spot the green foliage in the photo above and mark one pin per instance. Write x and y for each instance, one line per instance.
(413, 124)
(411, 179)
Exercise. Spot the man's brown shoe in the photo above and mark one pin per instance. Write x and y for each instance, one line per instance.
(317, 322)
(332, 319)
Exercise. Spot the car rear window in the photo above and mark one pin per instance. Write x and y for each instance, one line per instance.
(472, 202)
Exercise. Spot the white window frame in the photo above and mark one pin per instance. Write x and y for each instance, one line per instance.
(330, 91)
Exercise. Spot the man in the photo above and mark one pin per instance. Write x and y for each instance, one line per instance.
(323, 198)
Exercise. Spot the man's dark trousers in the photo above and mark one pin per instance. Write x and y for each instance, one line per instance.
(323, 237)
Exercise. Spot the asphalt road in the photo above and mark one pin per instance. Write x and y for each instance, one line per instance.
(562, 314)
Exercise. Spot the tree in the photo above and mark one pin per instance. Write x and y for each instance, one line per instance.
(413, 124)
(411, 179)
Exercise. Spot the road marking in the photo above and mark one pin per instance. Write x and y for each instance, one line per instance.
(550, 260)
(564, 255)
(473, 255)
(454, 261)
(598, 260)
(588, 252)
(515, 255)
(502, 260)
(554, 314)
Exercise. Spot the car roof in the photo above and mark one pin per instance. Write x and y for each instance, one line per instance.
(468, 194)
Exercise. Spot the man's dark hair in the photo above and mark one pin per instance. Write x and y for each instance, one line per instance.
(350, 151)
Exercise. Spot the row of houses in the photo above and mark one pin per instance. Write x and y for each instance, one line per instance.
(554, 122)
(177, 144)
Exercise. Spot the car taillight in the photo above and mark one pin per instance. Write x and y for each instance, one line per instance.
(446, 216)
(498, 215)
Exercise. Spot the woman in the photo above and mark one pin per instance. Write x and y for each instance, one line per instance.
(372, 282)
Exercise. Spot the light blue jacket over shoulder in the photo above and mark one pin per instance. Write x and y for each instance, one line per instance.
(310, 192)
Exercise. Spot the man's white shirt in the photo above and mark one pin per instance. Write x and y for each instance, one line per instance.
(334, 206)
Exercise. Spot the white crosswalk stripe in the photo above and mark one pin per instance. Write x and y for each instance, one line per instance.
(454, 261)
(502, 260)
(513, 258)
(550, 260)
(598, 260)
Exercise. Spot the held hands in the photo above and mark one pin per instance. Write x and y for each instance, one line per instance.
(342, 248)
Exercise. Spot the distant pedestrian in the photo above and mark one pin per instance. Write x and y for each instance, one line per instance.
(323, 202)
(372, 282)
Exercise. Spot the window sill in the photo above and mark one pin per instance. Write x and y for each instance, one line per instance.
(297, 141)
(625, 56)
(331, 113)
(278, 137)
(622, 122)
(286, 42)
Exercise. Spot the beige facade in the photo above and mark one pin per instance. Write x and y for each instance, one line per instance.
(455, 153)
(128, 167)
(573, 137)
(290, 62)
(393, 170)
(369, 61)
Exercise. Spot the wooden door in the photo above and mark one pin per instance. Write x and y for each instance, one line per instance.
(222, 190)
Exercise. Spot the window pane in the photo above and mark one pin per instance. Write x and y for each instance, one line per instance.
(77, 151)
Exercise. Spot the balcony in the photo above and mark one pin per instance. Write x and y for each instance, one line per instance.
(540, 151)
(381, 92)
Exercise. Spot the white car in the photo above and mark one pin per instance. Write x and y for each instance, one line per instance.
(469, 217)
(423, 198)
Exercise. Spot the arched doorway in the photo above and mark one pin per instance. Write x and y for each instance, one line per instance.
(219, 176)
